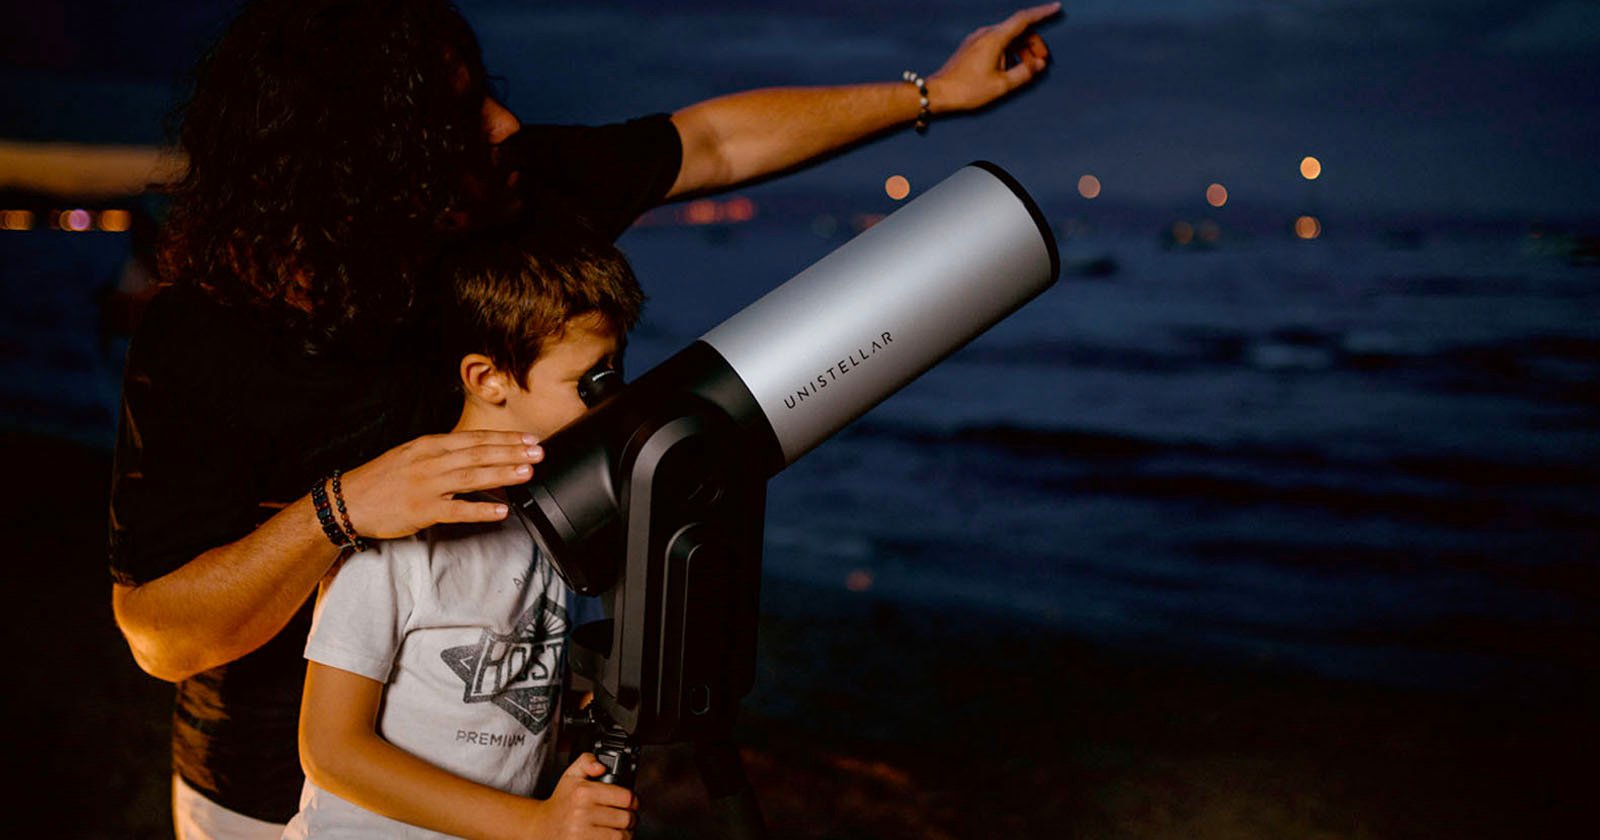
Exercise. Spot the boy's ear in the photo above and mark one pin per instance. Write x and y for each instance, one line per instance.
(483, 380)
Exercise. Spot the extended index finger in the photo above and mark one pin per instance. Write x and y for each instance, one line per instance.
(1019, 22)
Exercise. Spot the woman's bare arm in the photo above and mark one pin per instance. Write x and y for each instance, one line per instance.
(232, 599)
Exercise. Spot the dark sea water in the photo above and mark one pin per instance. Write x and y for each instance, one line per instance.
(1373, 460)
(1377, 462)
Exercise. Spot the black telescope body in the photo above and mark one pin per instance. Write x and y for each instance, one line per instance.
(654, 499)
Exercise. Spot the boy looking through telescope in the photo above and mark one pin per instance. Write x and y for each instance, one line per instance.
(437, 661)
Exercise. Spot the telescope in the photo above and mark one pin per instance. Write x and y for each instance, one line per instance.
(654, 499)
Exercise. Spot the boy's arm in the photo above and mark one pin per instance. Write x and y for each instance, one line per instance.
(342, 753)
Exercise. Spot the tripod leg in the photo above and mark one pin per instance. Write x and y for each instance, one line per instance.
(733, 803)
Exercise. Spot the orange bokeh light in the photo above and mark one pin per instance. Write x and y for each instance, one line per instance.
(1307, 227)
(16, 220)
(1310, 168)
(1089, 186)
(897, 187)
(1182, 233)
(1216, 195)
(115, 221)
(702, 212)
(739, 209)
(863, 221)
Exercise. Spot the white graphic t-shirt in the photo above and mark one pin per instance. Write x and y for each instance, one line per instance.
(466, 625)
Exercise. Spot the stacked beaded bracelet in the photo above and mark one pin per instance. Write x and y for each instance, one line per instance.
(342, 537)
(356, 541)
(922, 91)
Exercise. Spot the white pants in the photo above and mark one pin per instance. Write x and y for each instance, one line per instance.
(195, 817)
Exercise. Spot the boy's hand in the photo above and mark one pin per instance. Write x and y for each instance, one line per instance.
(583, 808)
(413, 485)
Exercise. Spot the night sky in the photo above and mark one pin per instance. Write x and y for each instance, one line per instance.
(1443, 108)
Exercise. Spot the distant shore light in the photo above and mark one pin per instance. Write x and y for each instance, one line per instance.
(1182, 233)
(701, 212)
(1307, 227)
(75, 220)
(16, 220)
(739, 209)
(863, 221)
(1089, 186)
(897, 187)
(1310, 168)
(1216, 195)
(115, 221)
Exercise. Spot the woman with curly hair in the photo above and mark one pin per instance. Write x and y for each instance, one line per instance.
(282, 400)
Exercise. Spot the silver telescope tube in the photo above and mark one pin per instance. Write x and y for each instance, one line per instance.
(840, 337)
(655, 498)
(788, 371)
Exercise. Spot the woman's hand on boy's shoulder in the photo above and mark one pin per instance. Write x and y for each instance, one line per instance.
(581, 808)
(415, 484)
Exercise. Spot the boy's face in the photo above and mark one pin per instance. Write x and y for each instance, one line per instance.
(551, 399)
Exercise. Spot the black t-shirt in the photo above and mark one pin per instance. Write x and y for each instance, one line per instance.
(225, 420)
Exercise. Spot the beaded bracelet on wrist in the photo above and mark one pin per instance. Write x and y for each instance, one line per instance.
(330, 526)
(922, 92)
(356, 540)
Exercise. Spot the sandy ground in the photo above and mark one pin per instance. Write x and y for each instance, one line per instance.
(870, 721)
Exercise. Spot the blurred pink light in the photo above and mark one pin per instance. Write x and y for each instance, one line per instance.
(739, 209)
(702, 212)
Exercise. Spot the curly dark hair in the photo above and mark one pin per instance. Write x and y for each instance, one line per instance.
(333, 146)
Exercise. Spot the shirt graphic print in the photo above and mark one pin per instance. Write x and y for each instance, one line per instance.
(519, 672)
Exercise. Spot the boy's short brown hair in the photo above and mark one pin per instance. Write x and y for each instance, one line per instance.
(508, 293)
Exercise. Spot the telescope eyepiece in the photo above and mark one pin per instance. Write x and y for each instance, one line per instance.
(600, 382)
